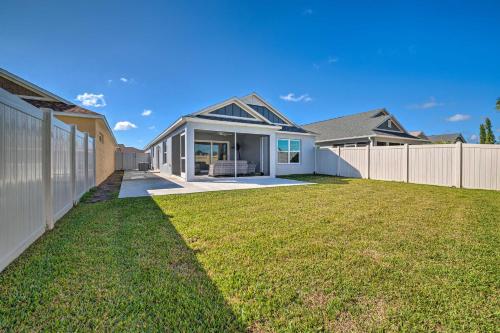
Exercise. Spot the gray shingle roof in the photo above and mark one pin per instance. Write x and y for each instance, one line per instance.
(356, 125)
(446, 138)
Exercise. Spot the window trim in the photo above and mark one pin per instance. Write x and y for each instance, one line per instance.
(289, 151)
(164, 149)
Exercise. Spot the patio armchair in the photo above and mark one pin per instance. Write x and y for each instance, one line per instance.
(251, 168)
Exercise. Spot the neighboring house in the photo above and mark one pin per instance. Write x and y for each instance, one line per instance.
(376, 128)
(419, 134)
(446, 138)
(85, 120)
(124, 149)
(243, 133)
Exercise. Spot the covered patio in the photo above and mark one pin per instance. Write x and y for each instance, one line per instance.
(230, 154)
(140, 183)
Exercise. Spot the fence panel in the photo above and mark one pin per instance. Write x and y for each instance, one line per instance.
(91, 163)
(118, 160)
(80, 180)
(130, 161)
(481, 166)
(22, 218)
(327, 161)
(38, 180)
(388, 163)
(432, 164)
(62, 187)
(353, 162)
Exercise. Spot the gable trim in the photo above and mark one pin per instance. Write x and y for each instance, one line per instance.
(394, 120)
(238, 102)
(272, 109)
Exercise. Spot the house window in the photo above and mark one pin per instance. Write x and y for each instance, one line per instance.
(164, 152)
(101, 138)
(288, 151)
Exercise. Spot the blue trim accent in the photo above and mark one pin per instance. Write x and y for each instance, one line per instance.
(232, 110)
(268, 114)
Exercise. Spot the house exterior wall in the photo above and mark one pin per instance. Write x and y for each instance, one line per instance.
(307, 160)
(105, 151)
(238, 128)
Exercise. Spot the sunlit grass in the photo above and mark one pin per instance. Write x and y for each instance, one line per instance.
(345, 255)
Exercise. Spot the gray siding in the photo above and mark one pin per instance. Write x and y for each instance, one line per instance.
(307, 162)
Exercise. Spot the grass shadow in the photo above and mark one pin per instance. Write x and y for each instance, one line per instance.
(114, 265)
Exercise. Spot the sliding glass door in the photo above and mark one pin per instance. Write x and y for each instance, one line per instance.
(207, 152)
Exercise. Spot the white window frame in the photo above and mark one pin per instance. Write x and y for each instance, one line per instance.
(164, 147)
(289, 151)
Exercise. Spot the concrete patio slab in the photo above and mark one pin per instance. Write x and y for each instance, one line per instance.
(138, 184)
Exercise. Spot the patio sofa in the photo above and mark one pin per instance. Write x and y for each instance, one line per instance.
(226, 168)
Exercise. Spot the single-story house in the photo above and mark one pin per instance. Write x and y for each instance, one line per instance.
(419, 134)
(376, 128)
(95, 124)
(128, 150)
(239, 136)
(446, 138)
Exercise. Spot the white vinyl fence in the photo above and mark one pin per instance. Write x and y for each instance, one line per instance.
(130, 161)
(460, 165)
(39, 167)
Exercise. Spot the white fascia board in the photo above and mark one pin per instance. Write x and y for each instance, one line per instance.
(89, 116)
(397, 138)
(296, 133)
(347, 138)
(31, 86)
(176, 124)
(222, 122)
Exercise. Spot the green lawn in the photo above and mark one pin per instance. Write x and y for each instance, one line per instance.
(344, 255)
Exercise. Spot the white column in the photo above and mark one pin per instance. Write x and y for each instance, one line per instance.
(235, 155)
(272, 155)
(47, 169)
(189, 152)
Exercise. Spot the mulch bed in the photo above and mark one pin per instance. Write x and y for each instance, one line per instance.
(108, 189)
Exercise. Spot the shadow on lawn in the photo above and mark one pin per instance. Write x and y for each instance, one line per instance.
(114, 265)
(319, 179)
(170, 270)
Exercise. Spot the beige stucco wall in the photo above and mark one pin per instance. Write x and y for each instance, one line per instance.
(105, 151)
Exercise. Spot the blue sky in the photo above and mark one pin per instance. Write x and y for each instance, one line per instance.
(435, 65)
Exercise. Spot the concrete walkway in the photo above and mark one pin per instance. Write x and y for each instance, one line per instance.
(139, 184)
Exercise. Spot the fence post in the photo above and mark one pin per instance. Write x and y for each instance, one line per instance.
(72, 162)
(94, 159)
(86, 159)
(368, 161)
(338, 161)
(47, 169)
(407, 163)
(458, 164)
